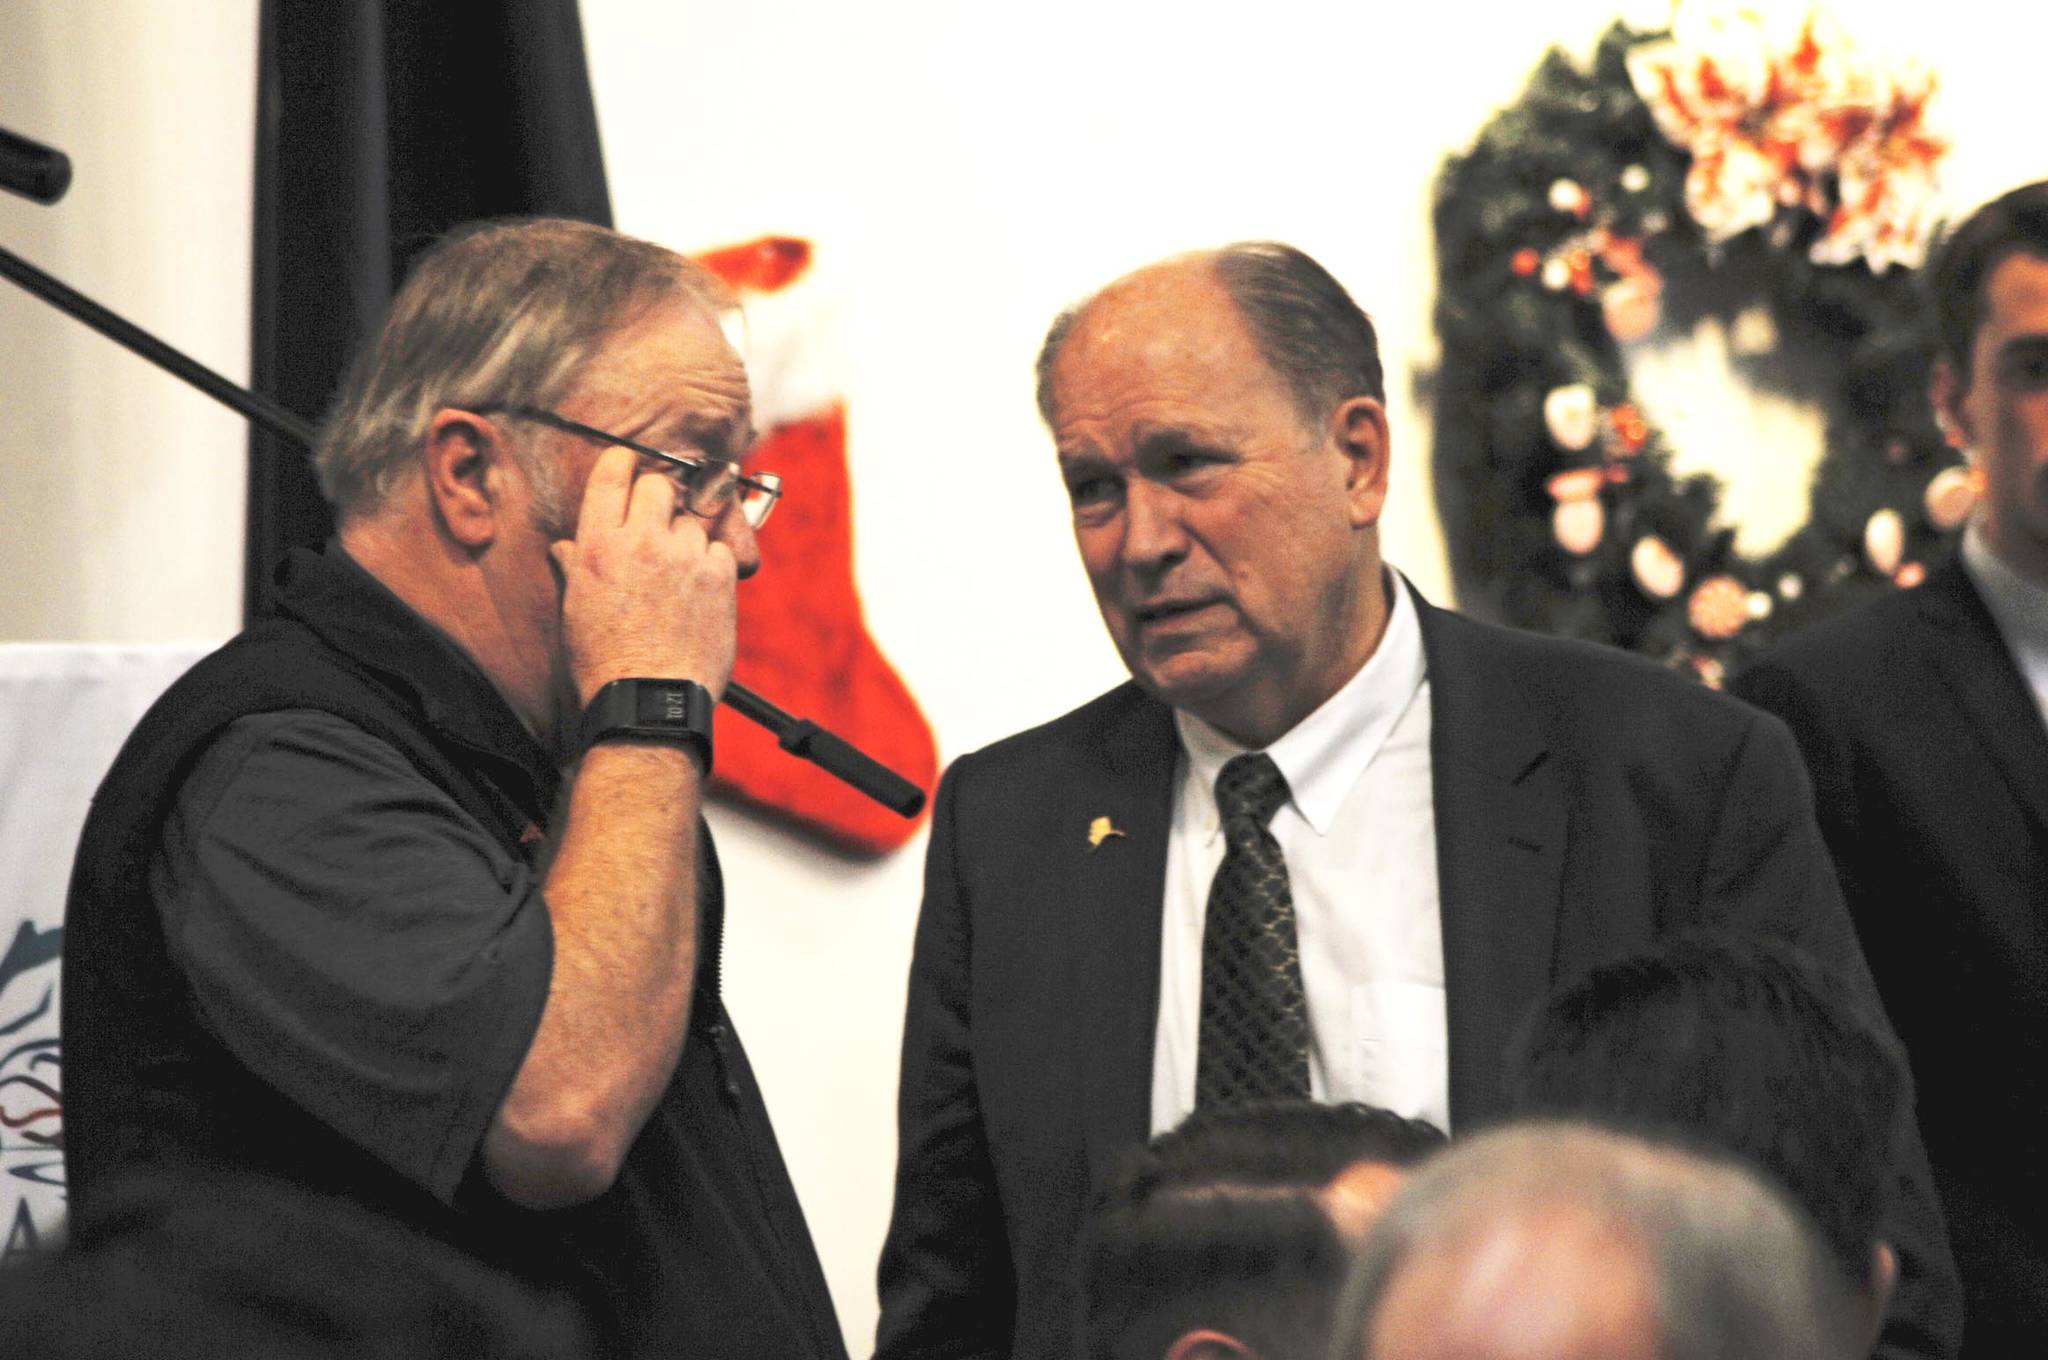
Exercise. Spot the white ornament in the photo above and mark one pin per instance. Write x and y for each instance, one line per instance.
(1658, 571)
(1884, 541)
(1578, 525)
(1635, 179)
(1791, 586)
(1572, 415)
(1557, 275)
(1759, 605)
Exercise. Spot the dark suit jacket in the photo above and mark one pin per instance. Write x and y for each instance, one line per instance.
(1586, 801)
(1930, 771)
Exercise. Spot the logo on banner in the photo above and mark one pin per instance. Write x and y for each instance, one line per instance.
(31, 1098)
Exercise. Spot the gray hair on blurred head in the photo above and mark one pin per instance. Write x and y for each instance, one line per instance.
(1736, 1271)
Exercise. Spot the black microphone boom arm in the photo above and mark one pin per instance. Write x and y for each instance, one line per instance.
(799, 736)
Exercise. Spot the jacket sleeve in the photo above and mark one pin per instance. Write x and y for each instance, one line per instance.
(1769, 866)
(947, 1283)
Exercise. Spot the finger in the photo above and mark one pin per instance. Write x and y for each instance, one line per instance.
(653, 503)
(606, 491)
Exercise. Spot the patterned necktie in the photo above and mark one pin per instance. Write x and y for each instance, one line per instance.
(1254, 1029)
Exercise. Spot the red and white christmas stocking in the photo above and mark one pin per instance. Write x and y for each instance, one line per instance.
(802, 640)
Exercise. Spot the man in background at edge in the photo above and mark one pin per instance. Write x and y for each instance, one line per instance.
(338, 915)
(1923, 717)
(1462, 816)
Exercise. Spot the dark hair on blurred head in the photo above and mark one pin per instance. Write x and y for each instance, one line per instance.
(1216, 1224)
(1744, 1047)
(2012, 223)
(1306, 326)
(1278, 1144)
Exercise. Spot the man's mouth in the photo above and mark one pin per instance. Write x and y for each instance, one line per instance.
(1169, 611)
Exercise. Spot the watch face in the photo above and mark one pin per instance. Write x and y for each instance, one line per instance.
(664, 704)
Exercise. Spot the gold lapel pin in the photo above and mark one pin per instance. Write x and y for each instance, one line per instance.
(1100, 830)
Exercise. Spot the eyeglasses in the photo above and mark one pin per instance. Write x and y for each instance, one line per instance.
(709, 484)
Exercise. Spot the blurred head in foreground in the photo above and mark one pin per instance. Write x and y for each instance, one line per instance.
(1745, 1047)
(1232, 1234)
(1564, 1242)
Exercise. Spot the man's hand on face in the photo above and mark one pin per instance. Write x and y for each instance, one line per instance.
(646, 590)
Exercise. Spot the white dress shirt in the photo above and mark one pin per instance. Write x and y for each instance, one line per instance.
(1359, 835)
(2018, 605)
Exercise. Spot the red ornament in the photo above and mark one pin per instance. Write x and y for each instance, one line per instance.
(1526, 261)
(1580, 262)
(1631, 431)
(1719, 608)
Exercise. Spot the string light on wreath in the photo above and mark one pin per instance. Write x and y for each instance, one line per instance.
(1773, 179)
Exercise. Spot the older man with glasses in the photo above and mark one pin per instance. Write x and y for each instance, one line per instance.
(403, 895)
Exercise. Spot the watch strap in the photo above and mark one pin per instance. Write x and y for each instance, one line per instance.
(640, 709)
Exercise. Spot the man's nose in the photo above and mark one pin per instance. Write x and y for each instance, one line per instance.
(732, 529)
(1154, 537)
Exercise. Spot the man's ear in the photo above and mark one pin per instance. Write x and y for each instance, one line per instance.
(1359, 425)
(1207, 1345)
(464, 462)
(1945, 393)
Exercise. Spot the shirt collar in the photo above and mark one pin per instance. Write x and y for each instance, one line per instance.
(357, 615)
(1323, 755)
(2018, 603)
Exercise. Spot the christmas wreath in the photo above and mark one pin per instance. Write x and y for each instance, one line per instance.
(1782, 188)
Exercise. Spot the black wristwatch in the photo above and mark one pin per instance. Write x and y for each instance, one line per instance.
(674, 711)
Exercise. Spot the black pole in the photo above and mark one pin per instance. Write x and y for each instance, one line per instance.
(798, 736)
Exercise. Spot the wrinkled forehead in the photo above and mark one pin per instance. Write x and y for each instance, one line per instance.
(673, 373)
(1171, 332)
(1164, 313)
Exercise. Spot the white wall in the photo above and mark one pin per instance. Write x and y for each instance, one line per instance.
(121, 490)
(966, 170)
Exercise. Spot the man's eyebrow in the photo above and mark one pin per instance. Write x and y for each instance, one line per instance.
(2028, 350)
(1170, 439)
(719, 436)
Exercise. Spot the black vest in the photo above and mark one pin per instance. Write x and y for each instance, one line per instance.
(718, 1237)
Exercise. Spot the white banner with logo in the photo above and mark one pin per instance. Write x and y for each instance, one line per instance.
(64, 711)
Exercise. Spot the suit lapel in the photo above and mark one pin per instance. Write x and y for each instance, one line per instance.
(1500, 835)
(1113, 885)
(1968, 652)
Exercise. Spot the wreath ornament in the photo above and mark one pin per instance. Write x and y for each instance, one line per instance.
(1777, 183)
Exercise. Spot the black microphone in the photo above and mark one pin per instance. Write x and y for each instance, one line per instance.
(34, 171)
(798, 736)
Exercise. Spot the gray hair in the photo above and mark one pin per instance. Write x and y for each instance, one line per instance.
(499, 313)
(1307, 328)
(1737, 1272)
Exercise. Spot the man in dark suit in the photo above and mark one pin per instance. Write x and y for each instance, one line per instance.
(1330, 841)
(1921, 719)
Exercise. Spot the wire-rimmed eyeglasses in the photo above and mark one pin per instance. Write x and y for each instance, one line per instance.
(709, 484)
